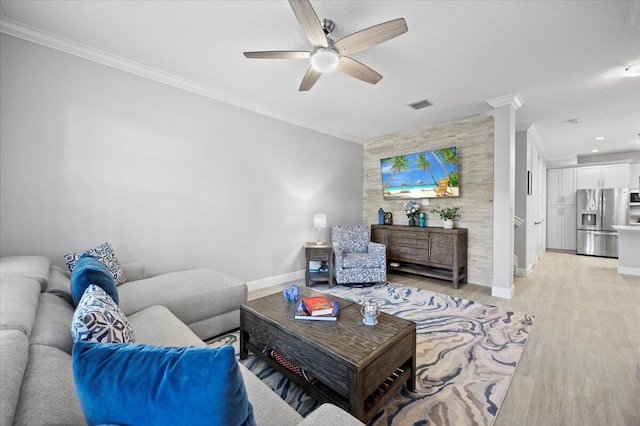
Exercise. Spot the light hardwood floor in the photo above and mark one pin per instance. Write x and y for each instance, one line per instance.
(580, 366)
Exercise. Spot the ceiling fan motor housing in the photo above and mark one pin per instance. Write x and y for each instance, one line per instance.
(327, 26)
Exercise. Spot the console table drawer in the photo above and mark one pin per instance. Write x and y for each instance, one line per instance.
(397, 241)
(410, 235)
(408, 254)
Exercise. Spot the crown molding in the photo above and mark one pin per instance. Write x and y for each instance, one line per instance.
(43, 38)
(633, 14)
(513, 99)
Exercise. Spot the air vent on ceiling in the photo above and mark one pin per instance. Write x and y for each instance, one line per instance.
(421, 104)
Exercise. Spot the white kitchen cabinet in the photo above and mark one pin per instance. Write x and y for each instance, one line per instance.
(603, 176)
(561, 187)
(634, 176)
(561, 228)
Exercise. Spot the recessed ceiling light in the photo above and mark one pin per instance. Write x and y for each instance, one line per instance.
(632, 71)
(595, 150)
(599, 138)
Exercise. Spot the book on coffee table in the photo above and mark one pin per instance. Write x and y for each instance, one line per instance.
(317, 305)
(303, 314)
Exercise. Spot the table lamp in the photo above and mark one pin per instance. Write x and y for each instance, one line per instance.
(319, 221)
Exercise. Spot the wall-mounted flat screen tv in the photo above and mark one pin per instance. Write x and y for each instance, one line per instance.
(428, 174)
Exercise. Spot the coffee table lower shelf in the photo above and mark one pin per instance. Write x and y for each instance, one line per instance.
(323, 393)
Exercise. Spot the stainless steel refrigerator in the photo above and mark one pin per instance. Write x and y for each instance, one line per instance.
(597, 211)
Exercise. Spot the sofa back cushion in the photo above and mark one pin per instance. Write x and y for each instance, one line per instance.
(53, 323)
(14, 352)
(89, 270)
(164, 386)
(59, 283)
(47, 395)
(18, 303)
(36, 267)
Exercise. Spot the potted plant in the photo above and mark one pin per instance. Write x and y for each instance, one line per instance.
(447, 214)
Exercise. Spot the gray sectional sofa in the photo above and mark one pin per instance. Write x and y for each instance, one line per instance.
(174, 309)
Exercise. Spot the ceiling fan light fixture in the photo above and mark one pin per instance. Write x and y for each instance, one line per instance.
(324, 60)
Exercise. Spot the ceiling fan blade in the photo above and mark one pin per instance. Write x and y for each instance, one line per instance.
(278, 54)
(356, 69)
(309, 22)
(309, 79)
(371, 36)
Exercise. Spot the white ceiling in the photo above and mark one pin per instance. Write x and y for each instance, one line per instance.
(564, 58)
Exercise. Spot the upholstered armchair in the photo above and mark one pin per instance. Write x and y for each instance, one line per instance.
(357, 259)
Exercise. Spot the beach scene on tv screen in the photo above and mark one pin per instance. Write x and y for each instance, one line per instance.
(428, 174)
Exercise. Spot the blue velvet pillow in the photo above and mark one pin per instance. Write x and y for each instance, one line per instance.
(89, 270)
(135, 384)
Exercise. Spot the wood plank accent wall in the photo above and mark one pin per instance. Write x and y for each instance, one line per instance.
(474, 138)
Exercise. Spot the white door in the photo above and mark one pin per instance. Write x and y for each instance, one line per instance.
(542, 206)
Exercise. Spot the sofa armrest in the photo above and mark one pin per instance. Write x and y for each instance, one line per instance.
(133, 271)
(329, 414)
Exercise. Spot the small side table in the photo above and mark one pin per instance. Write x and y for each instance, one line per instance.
(318, 252)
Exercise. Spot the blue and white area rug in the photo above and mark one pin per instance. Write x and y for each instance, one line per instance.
(467, 354)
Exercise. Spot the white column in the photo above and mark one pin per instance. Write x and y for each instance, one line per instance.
(504, 160)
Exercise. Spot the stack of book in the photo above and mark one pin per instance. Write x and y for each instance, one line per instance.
(317, 308)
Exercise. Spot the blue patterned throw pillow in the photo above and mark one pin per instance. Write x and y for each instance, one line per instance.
(90, 270)
(99, 319)
(105, 254)
(136, 384)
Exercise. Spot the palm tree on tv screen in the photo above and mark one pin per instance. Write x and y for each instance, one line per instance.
(450, 156)
(397, 165)
(423, 164)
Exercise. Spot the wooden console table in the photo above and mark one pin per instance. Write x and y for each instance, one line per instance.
(428, 251)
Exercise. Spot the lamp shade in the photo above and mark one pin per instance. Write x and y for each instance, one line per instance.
(319, 220)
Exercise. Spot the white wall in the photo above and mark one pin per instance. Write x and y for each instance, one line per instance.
(172, 179)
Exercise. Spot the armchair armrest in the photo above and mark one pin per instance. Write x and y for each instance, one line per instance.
(338, 252)
(377, 249)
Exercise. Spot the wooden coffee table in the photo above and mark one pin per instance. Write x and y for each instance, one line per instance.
(358, 367)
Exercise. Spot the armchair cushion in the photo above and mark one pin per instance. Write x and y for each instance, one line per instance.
(360, 260)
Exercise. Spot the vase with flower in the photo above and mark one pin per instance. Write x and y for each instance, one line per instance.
(447, 214)
(412, 209)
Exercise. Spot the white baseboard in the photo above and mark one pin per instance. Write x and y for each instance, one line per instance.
(274, 281)
(522, 272)
(504, 293)
(626, 270)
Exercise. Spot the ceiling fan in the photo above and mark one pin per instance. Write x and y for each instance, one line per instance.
(328, 55)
